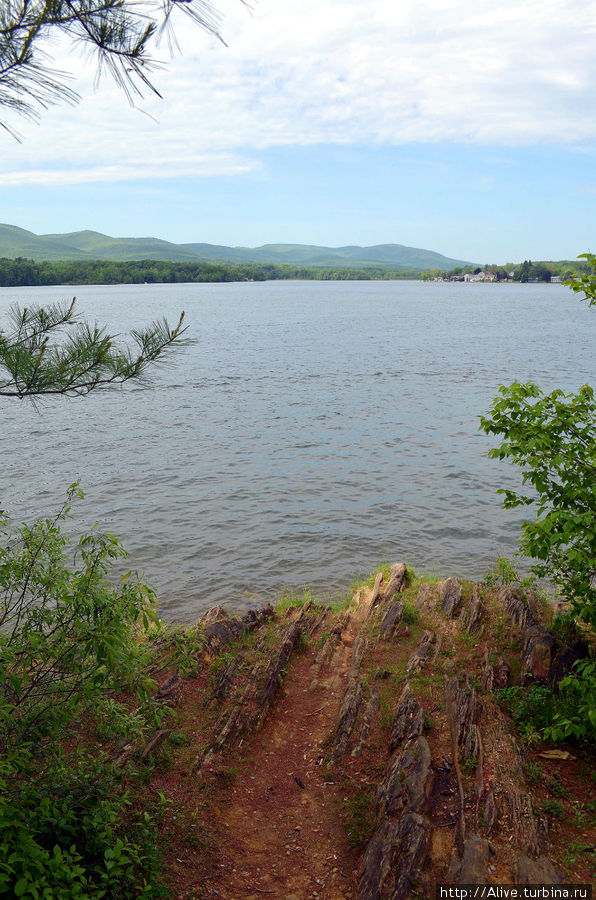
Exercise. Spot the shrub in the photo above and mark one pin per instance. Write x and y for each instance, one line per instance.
(67, 831)
(67, 638)
(67, 634)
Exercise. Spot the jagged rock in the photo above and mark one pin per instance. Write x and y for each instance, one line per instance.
(495, 678)
(393, 857)
(391, 620)
(169, 689)
(471, 868)
(517, 607)
(408, 781)
(409, 719)
(325, 654)
(225, 680)
(438, 646)
(347, 716)
(450, 596)
(351, 702)
(425, 599)
(535, 871)
(360, 647)
(490, 812)
(505, 802)
(475, 612)
(219, 628)
(375, 595)
(248, 713)
(397, 581)
(256, 617)
(215, 614)
(382, 674)
(538, 652)
(276, 667)
(462, 711)
(421, 653)
(154, 743)
(515, 811)
(370, 711)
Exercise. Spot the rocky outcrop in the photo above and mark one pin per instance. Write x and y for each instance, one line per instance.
(247, 713)
(462, 711)
(537, 655)
(472, 615)
(472, 867)
(421, 654)
(450, 595)
(426, 598)
(536, 871)
(517, 607)
(391, 620)
(396, 583)
(351, 701)
(399, 844)
(219, 628)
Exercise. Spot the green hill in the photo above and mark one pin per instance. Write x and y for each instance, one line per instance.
(17, 242)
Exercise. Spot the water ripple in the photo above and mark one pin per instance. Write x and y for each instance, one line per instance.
(296, 442)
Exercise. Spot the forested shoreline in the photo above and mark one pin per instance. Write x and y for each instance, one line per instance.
(22, 272)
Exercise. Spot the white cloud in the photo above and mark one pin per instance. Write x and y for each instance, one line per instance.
(340, 71)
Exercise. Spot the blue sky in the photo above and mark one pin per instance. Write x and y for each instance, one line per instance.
(445, 124)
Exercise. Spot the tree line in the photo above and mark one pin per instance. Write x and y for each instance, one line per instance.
(523, 272)
(23, 272)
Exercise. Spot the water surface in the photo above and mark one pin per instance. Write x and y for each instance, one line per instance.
(311, 431)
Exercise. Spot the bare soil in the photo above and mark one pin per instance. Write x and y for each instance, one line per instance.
(278, 813)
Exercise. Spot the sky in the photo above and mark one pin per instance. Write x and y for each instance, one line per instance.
(460, 126)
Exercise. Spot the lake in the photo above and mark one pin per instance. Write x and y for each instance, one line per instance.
(312, 430)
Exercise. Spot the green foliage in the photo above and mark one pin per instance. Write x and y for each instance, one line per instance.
(384, 568)
(38, 359)
(361, 815)
(576, 717)
(410, 614)
(67, 831)
(553, 808)
(123, 35)
(164, 270)
(469, 765)
(585, 283)
(529, 271)
(502, 573)
(552, 437)
(67, 635)
(556, 714)
(533, 771)
(68, 638)
(290, 599)
(555, 786)
(185, 644)
(563, 627)
(532, 708)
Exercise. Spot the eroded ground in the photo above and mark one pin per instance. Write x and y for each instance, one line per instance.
(361, 752)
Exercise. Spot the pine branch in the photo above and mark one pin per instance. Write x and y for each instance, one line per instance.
(36, 364)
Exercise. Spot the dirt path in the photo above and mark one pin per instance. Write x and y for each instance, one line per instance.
(285, 831)
(369, 737)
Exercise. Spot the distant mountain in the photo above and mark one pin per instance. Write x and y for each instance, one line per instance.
(16, 242)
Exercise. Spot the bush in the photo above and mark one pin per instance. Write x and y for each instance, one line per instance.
(68, 831)
(567, 712)
(67, 638)
(576, 716)
(67, 635)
